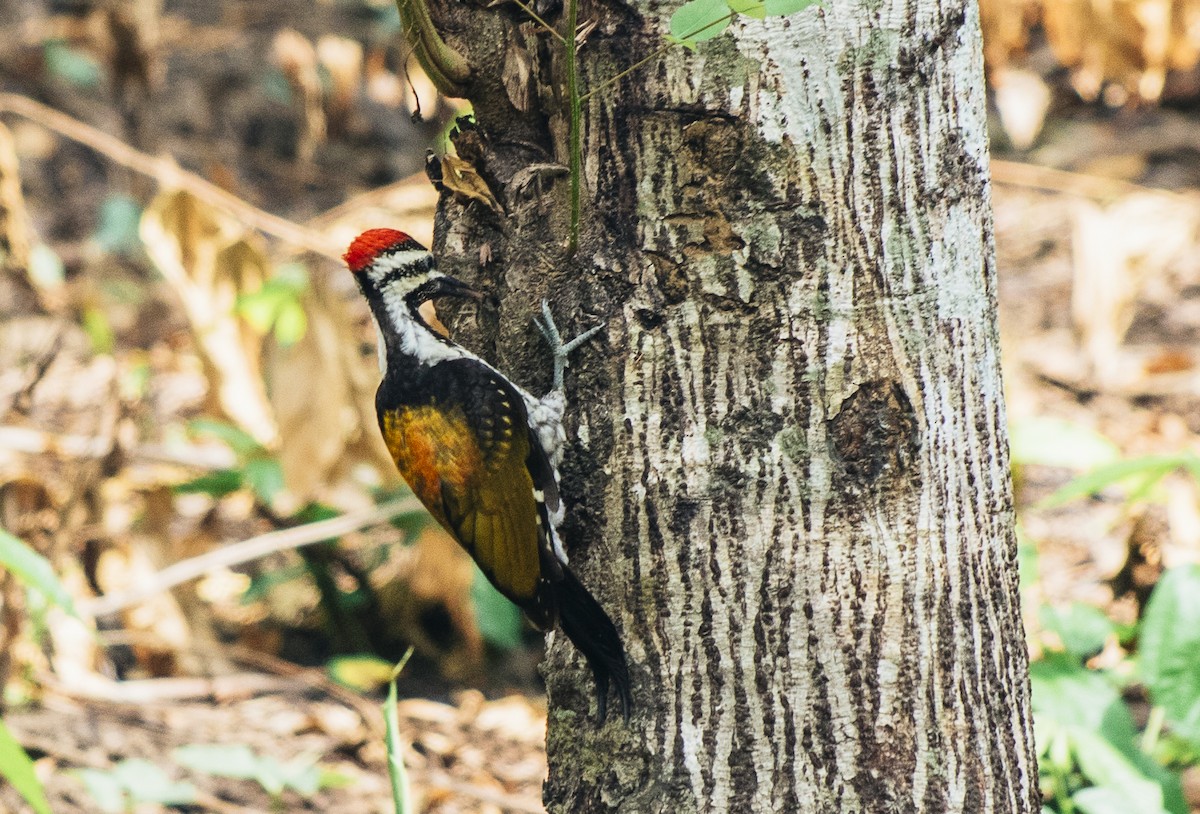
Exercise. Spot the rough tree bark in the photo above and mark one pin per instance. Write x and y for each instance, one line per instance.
(789, 479)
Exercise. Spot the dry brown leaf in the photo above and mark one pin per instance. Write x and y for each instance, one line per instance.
(323, 392)
(1120, 50)
(14, 223)
(209, 261)
(1169, 361)
(461, 178)
(297, 59)
(1129, 43)
(342, 59)
(1005, 26)
(1116, 248)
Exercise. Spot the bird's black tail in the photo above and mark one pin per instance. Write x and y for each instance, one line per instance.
(592, 632)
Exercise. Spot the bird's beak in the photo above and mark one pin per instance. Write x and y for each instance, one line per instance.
(447, 286)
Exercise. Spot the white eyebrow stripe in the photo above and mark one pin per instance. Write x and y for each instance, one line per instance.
(385, 264)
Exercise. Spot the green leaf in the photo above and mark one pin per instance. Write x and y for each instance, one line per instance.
(17, 769)
(104, 788)
(1068, 699)
(361, 672)
(699, 20)
(214, 484)
(291, 323)
(240, 441)
(260, 307)
(234, 760)
(1105, 765)
(1105, 800)
(751, 8)
(34, 571)
(1047, 441)
(71, 65)
(276, 87)
(302, 774)
(1169, 648)
(782, 8)
(1082, 628)
(265, 477)
(46, 269)
(117, 231)
(499, 620)
(261, 584)
(1068, 694)
(99, 330)
(277, 305)
(269, 774)
(1147, 471)
(147, 783)
(333, 779)
(1028, 570)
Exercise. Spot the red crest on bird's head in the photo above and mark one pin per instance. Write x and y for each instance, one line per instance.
(368, 246)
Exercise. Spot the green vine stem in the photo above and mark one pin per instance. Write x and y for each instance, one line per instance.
(575, 137)
(447, 68)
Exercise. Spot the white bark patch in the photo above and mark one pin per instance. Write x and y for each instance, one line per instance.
(806, 468)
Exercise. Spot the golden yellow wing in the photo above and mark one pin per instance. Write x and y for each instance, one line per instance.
(470, 472)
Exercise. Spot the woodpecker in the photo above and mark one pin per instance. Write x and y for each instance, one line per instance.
(479, 451)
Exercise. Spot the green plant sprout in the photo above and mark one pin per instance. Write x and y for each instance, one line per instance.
(401, 795)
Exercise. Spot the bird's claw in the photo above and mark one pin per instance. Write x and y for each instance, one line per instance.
(560, 349)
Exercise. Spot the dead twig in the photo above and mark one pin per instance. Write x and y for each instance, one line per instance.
(39, 442)
(409, 195)
(139, 692)
(167, 173)
(1049, 179)
(247, 551)
(22, 402)
(368, 711)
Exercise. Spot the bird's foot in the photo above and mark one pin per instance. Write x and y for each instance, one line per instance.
(560, 349)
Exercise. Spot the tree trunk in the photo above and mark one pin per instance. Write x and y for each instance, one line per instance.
(788, 480)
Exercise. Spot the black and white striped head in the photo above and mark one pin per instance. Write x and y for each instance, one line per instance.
(397, 275)
(390, 264)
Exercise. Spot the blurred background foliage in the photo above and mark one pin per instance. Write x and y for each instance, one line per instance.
(206, 560)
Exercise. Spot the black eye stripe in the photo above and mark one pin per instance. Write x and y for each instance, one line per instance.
(412, 269)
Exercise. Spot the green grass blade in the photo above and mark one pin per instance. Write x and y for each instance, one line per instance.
(1148, 469)
(401, 799)
(34, 571)
(17, 769)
